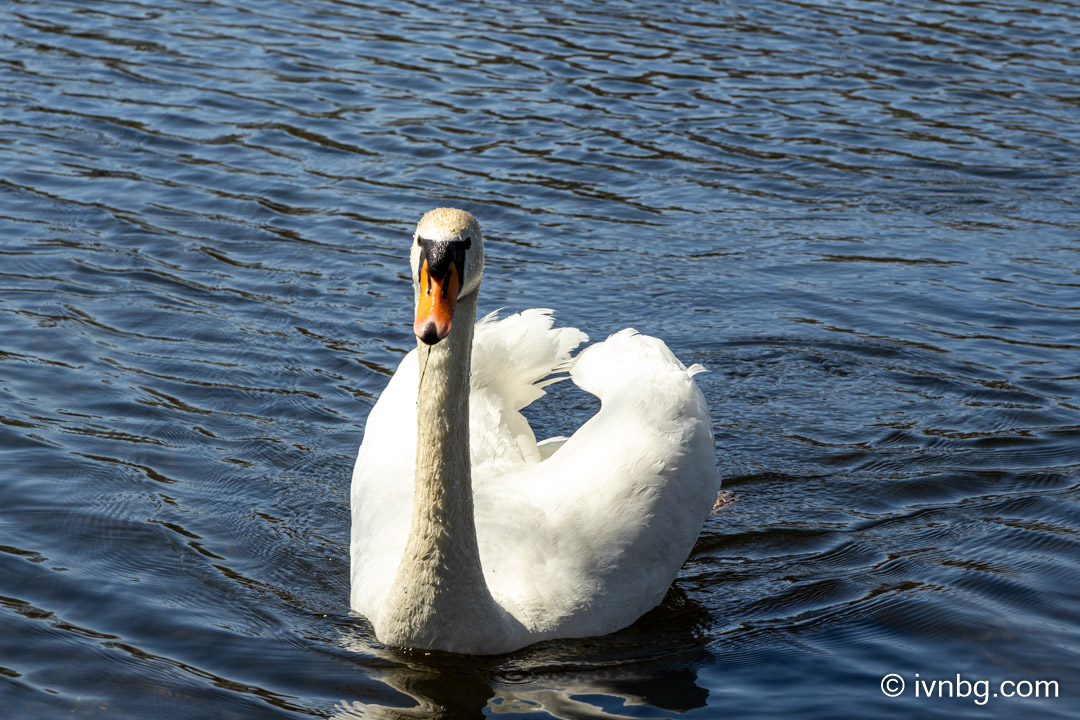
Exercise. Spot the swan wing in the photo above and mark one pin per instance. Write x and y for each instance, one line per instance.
(589, 539)
(513, 360)
(382, 490)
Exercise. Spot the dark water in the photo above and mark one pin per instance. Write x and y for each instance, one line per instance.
(864, 218)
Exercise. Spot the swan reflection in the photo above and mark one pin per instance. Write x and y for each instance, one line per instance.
(648, 670)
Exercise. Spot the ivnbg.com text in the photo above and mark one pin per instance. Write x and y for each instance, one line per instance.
(980, 691)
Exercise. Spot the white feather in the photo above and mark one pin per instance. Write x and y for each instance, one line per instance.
(587, 540)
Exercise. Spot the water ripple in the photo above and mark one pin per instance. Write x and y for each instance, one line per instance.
(861, 217)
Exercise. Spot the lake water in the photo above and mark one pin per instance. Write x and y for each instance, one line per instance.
(863, 218)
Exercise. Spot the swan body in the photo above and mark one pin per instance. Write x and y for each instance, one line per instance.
(468, 535)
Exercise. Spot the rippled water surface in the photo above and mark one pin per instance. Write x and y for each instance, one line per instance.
(864, 218)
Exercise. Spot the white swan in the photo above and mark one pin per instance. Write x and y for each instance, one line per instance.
(468, 536)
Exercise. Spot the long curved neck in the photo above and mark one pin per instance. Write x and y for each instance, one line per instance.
(439, 598)
(443, 522)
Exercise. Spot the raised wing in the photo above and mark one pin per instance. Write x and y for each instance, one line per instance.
(589, 539)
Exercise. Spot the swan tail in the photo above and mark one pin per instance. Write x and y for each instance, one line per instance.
(695, 369)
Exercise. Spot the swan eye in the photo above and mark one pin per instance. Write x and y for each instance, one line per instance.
(468, 243)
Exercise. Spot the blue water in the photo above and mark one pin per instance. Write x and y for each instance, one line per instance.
(863, 218)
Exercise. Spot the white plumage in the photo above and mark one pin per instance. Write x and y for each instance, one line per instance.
(575, 537)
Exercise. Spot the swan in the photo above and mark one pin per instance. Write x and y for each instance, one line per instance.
(470, 537)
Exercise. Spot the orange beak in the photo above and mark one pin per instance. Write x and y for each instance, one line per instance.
(435, 307)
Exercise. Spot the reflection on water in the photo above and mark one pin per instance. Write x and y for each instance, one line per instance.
(438, 693)
(649, 670)
(862, 218)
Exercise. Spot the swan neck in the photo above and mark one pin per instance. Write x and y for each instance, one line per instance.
(439, 598)
(443, 481)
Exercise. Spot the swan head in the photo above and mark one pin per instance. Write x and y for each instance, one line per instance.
(447, 261)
